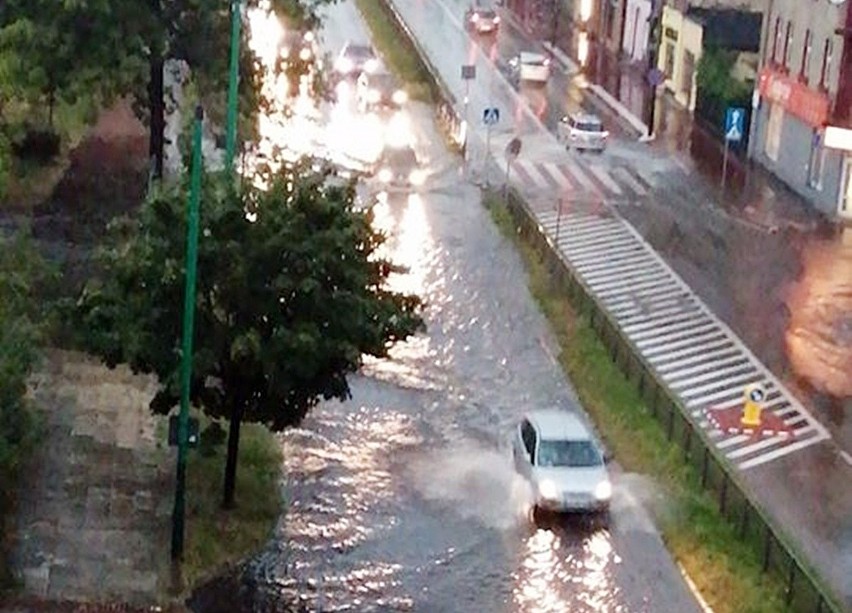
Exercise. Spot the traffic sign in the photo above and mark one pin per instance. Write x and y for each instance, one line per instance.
(490, 115)
(468, 72)
(734, 123)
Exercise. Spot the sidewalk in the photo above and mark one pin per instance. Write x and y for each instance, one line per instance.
(94, 516)
(751, 192)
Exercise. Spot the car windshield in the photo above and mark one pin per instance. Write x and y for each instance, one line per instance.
(486, 13)
(360, 52)
(383, 82)
(401, 157)
(568, 453)
(589, 126)
(534, 61)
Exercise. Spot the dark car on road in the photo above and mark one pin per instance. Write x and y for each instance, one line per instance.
(482, 19)
(380, 91)
(356, 58)
(399, 167)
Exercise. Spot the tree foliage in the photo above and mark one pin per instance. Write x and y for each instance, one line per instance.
(286, 305)
(22, 272)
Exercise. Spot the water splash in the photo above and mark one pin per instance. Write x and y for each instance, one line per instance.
(479, 483)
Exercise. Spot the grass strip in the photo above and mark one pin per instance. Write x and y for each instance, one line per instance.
(726, 571)
(397, 49)
(216, 538)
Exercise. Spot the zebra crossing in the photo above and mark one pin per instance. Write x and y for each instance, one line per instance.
(577, 178)
(694, 353)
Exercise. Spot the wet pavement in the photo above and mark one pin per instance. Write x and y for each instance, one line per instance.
(405, 497)
(777, 274)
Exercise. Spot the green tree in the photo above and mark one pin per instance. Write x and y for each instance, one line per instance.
(292, 292)
(22, 275)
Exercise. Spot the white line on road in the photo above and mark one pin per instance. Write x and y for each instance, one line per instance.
(694, 589)
(846, 457)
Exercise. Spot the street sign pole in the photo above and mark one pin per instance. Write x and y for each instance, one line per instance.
(233, 86)
(558, 220)
(186, 345)
(725, 165)
(734, 129)
(487, 153)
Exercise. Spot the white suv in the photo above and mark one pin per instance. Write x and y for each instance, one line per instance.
(583, 131)
(555, 452)
(530, 67)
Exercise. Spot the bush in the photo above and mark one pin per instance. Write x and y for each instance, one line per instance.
(37, 145)
(21, 273)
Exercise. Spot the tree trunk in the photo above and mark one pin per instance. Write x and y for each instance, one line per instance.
(157, 111)
(233, 451)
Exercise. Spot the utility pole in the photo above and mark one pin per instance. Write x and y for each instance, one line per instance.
(186, 345)
(233, 85)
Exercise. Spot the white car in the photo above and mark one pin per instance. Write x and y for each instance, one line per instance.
(555, 452)
(482, 20)
(530, 67)
(583, 132)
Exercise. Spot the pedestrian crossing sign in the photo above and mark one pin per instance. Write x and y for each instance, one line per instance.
(491, 115)
(734, 123)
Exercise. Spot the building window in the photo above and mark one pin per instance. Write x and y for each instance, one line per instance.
(805, 68)
(827, 52)
(775, 40)
(816, 163)
(670, 58)
(772, 144)
(788, 45)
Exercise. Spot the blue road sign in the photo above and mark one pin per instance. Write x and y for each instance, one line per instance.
(490, 116)
(734, 123)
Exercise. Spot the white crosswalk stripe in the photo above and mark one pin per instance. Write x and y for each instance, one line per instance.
(694, 354)
(566, 179)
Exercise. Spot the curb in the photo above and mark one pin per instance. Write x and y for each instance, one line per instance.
(599, 92)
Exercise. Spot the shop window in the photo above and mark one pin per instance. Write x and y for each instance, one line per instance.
(775, 40)
(772, 143)
(670, 58)
(816, 163)
(824, 71)
(805, 68)
(788, 45)
(845, 207)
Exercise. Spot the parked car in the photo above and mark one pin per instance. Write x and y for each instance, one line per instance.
(555, 452)
(380, 91)
(399, 167)
(356, 58)
(529, 66)
(482, 19)
(583, 131)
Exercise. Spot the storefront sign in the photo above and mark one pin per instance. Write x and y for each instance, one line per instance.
(670, 33)
(809, 106)
(838, 138)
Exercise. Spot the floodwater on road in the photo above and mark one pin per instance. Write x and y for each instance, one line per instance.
(405, 497)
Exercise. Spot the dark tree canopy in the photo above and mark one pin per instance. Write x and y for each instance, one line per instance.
(286, 304)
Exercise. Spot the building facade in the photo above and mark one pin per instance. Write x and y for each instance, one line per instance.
(802, 127)
(636, 20)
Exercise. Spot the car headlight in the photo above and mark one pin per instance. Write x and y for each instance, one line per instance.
(305, 54)
(497, 19)
(475, 17)
(344, 64)
(417, 177)
(548, 489)
(603, 490)
(309, 37)
(400, 97)
(371, 65)
(285, 52)
(385, 175)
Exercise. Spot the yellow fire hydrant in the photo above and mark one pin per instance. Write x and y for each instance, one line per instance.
(753, 398)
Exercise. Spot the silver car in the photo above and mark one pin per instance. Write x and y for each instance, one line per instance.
(555, 452)
(583, 131)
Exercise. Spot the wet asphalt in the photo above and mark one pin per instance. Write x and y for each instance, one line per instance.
(404, 497)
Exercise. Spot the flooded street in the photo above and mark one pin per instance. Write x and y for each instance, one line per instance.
(405, 497)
